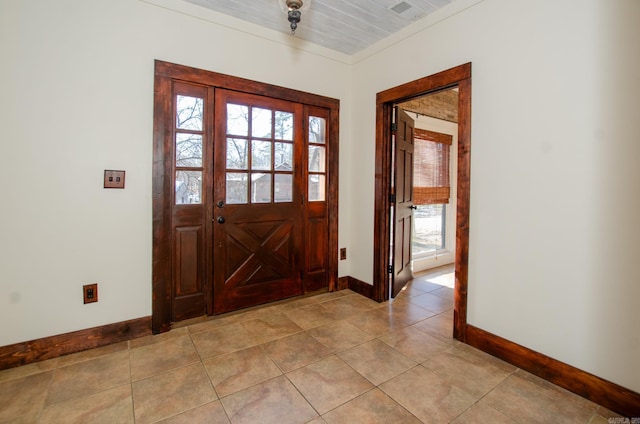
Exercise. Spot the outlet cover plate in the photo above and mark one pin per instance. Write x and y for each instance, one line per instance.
(90, 293)
(113, 179)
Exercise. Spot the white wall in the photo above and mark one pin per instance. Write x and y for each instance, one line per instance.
(554, 183)
(554, 176)
(77, 98)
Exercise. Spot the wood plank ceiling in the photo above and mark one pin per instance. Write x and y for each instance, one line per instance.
(346, 26)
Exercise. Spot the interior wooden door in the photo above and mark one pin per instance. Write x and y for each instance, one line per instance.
(258, 200)
(402, 210)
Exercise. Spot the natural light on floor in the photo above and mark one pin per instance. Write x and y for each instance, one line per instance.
(429, 229)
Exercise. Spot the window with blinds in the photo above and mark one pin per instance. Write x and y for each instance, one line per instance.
(431, 167)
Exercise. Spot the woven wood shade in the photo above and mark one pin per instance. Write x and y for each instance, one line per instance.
(431, 167)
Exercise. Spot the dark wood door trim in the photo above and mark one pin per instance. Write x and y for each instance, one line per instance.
(460, 77)
(165, 75)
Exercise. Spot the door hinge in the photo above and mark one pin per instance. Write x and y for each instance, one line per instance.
(390, 269)
(394, 127)
(392, 198)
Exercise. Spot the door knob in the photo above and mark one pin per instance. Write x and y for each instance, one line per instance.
(414, 207)
(220, 220)
(220, 204)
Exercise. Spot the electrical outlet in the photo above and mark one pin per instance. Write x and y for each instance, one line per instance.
(343, 253)
(90, 293)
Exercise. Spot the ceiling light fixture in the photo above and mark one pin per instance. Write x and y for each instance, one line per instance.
(294, 9)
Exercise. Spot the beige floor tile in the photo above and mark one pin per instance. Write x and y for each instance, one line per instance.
(212, 323)
(410, 290)
(446, 278)
(110, 406)
(477, 377)
(602, 411)
(444, 292)
(415, 344)
(170, 393)
(474, 355)
(310, 316)
(29, 369)
(525, 401)
(22, 399)
(432, 302)
(373, 407)
(300, 302)
(329, 383)
(440, 326)
(221, 340)
(236, 371)
(162, 356)
(376, 361)
(295, 351)
(273, 402)
(339, 335)
(423, 285)
(210, 413)
(333, 295)
(346, 306)
(374, 321)
(404, 314)
(89, 377)
(427, 396)
(259, 312)
(599, 419)
(86, 355)
(158, 338)
(482, 413)
(548, 386)
(270, 328)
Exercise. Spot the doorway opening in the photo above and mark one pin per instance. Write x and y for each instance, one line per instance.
(245, 197)
(460, 78)
(435, 117)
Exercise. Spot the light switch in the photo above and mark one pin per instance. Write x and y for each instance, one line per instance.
(113, 179)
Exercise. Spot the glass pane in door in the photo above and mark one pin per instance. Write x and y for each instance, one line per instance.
(283, 188)
(261, 155)
(237, 187)
(237, 119)
(188, 188)
(189, 112)
(188, 150)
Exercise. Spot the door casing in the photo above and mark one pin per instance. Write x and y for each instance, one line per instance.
(460, 77)
(166, 74)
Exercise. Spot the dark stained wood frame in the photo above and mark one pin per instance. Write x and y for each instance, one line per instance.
(460, 77)
(165, 74)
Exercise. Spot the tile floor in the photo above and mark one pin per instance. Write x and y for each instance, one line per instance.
(330, 358)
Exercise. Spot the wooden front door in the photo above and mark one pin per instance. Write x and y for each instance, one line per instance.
(258, 200)
(244, 193)
(402, 209)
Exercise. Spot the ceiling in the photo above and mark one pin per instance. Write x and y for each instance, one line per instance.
(346, 26)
